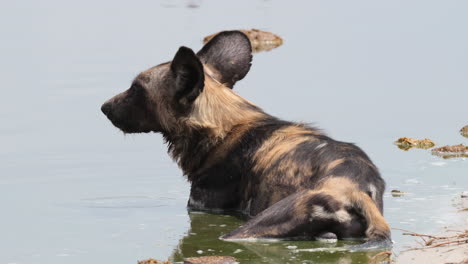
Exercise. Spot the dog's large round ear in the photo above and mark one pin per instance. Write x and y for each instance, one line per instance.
(188, 74)
(230, 54)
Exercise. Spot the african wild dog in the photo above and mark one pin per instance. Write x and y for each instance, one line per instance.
(289, 179)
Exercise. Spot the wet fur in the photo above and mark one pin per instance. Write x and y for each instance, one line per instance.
(290, 179)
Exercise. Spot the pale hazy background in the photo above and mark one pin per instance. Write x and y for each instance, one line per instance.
(74, 189)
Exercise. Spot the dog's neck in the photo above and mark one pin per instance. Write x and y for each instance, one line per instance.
(190, 147)
(216, 113)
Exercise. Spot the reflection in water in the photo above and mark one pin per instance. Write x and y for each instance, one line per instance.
(192, 4)
(202, 240)
(124, 202)
(452, 156)
(406, 143)
(455, 151)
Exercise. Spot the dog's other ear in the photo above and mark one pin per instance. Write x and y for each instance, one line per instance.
(189, 77)
(230, 54)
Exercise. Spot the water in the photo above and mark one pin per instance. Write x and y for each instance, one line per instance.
(74, 189)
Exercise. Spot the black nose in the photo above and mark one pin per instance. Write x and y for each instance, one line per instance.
(106, 108)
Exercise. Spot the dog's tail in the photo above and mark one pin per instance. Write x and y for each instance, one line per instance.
(378, 231)
(378, 228)
(351, 194)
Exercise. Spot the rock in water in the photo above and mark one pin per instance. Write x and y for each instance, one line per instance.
(210, 260)
(153, 261)
(260, 40)
(464, 131)
(451, 151)
(406, 143)
(397, 193)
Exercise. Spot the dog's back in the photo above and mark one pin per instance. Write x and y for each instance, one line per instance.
(261, 164)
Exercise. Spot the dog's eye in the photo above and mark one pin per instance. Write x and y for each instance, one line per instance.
(135, 89)
(136, 92)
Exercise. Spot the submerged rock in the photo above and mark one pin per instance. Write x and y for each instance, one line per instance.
(210, 260)
(451, 151)
(260, 40)
(397, 193)
(464, 131)
(153, 261)
(406, 143)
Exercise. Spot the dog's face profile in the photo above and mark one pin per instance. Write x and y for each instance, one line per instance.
(163, 96)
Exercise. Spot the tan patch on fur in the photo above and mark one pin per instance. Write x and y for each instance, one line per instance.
(219, 109)
(280, 143)
(227, 115)
(291, 169)
(230, 140)
(333, 165)
(213, 73)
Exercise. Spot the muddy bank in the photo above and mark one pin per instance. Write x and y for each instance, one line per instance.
(441, 255)
(449, 246)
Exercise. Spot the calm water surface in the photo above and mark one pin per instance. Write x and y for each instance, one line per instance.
(74, 189)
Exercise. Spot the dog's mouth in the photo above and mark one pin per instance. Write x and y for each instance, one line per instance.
(126, 124)
(129, 127)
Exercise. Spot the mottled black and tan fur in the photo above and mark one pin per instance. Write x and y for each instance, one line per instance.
(289, 179)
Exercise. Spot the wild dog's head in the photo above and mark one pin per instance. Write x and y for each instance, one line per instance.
(164, 96)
